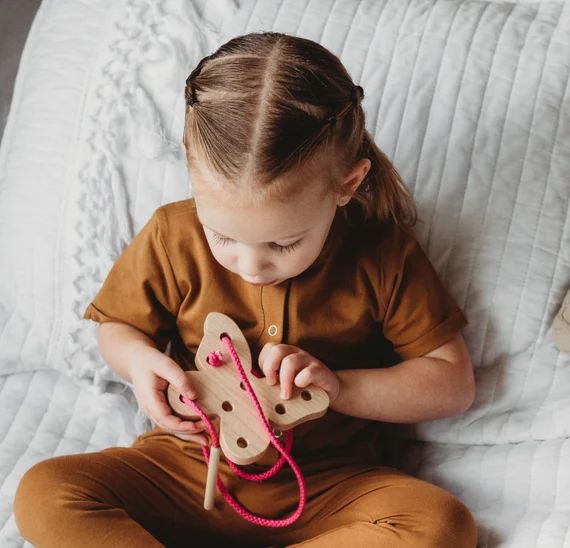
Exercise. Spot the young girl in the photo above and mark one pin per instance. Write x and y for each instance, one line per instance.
(300, 231)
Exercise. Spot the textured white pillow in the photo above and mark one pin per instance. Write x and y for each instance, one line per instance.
(78, 147)
(37, 157)
(470, 101)
(467, 98)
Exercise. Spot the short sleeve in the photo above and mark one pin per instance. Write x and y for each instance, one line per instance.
(419, 312)
(140, 289)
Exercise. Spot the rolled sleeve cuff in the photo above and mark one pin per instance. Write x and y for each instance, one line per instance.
(434, 338)
(93, 313)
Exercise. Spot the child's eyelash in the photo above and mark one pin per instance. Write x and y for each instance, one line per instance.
(220, 240)
(288, 248)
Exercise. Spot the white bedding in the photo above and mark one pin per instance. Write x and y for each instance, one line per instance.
(45, 414)
(469, 99)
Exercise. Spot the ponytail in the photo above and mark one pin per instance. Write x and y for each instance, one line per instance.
(382, 195)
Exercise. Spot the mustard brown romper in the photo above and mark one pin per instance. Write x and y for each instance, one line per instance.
(371, 299)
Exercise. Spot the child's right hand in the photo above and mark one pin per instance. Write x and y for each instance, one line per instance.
(151, 372)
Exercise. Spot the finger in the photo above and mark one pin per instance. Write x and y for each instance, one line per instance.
(308, 375)
(274, 352)
(274, 358)
(158, 404)
(163, 416)
(160, 409)
(176, 376)
(176, 425)
(192, 432)
(202, 439)
(272, 362)
(290, 366)
(316, 375)
(263, 354)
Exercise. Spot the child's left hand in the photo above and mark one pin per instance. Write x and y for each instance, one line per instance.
(296, 367)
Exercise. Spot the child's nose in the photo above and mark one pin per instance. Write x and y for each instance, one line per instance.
(253, 265)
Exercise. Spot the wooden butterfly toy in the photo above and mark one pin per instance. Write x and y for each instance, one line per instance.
(250, 411)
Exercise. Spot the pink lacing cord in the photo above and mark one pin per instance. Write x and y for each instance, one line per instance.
(214, 359)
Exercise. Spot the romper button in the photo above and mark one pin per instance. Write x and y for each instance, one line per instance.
(272, 330)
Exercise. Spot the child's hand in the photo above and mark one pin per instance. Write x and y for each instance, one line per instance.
(296, 367)
(151, 372)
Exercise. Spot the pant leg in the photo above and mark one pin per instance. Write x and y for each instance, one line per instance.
(148, 495)
(383, 507)
(151, 494)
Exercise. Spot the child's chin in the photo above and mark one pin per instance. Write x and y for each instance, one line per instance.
(263, 284)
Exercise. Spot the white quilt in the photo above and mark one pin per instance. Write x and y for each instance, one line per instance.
(45, 414)
(470, 100)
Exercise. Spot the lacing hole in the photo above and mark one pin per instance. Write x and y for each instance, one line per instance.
(241, 385)
(280, 408)
(227, 406)
(306, 395)
(242, 442)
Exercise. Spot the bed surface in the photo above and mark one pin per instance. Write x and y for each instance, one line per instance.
(469, 99)
(45, 414)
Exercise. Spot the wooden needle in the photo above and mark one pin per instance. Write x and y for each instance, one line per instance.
(211, 477)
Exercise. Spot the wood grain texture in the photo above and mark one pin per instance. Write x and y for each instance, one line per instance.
(221, 393)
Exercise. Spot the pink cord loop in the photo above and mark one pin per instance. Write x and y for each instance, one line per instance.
(215, 358)
(284, 451)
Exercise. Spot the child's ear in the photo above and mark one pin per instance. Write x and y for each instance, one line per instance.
(353, 180)
(561, 326)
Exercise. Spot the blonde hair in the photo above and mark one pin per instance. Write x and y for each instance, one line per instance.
(264, 104)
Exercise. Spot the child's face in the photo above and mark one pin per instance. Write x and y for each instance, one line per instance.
(265, 244)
